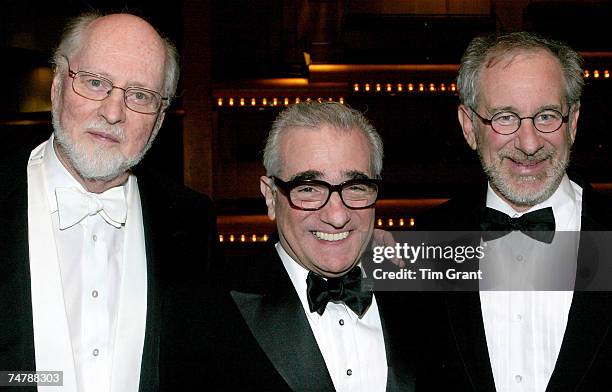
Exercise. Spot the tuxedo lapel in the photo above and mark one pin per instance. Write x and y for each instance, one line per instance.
(588, 323)
(275, 316)
(467, 328)
(16, 325)
(398, 342)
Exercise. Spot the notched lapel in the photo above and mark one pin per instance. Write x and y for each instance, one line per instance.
(279, 325)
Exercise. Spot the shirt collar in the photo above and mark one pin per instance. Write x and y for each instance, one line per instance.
(564, 202)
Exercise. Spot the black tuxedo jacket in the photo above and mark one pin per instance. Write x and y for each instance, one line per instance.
(180, 235)
(459, 359)
(252, 335)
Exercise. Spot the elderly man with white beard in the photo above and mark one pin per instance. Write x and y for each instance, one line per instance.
(88, 250)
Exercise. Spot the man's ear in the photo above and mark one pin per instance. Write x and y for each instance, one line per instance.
(573, 122)
(265, 185)
(56, 92)
(467, 125)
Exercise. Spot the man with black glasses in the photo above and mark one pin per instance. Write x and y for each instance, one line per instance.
(298, 318)
(88, 252)
(520, 102)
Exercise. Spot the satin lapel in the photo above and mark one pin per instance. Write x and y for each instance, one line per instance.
(277, 320)
(16, 331)
(400, 372)
(588, 323)
(467, 326)
(149, 369)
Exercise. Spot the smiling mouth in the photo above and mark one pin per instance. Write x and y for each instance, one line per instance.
(331, 237)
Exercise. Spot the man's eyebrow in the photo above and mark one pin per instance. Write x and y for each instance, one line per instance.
(307, 175)
(355, 175)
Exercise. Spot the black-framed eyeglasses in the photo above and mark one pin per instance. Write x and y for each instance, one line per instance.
(312, 195)
(507, 123)
(97, 88)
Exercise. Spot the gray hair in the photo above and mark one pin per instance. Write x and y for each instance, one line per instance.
(72, 40)
(314, 115)
(481, 52)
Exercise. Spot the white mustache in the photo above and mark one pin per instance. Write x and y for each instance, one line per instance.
(114, 130)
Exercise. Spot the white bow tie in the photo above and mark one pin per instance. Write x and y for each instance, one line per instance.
(74, 205)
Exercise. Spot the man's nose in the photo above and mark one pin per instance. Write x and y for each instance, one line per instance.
(112, 108)
(528, 139)
(335, 213)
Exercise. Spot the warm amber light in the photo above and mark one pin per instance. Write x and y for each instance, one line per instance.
(606, 74)
(432, 87)
(286, 101)
(220, 101)
(264, 101)
(242, 238)
(586, 73)
(367, 87)
(265, 237)
(232, 238)
(400, 87)
(453, 87)
(253, 102)
(241, 101)
(410, 87)
(377, 86)
(442, 87)
(401, 222)
(220, 237)
(389, 87)
(356, 87)
(596, 73)
(421, 87)
(297, 100)
(341, 100)
(254, 238)
(379, 222)
(390, 222)
(231, 101)
(411, 222)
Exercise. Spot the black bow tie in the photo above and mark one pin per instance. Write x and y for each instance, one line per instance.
(345, 288)
(539, 224)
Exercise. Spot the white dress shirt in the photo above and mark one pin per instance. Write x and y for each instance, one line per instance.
(353, 348)
(524, 329)
(91, 256)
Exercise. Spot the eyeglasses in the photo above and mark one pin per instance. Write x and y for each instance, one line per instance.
(97, 88)
(506, 123)
(312, 195)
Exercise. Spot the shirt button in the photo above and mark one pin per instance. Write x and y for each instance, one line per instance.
(94, 293)
(519, 258)
(341, 322)
(94, 238)
(349, 372)
(519, 317)
(518, 378)
(95, 352)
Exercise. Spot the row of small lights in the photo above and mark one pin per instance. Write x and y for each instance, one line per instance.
(400, 87)
(380, 222)
(390, 222)
(243, 238)
(259, 102)
(596, 74)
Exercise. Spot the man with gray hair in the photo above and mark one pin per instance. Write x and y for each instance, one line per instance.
(520, 102)
(88, 252)
(299, 317)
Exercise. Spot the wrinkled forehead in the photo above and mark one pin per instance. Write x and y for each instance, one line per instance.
(123, 47)
(334, 154)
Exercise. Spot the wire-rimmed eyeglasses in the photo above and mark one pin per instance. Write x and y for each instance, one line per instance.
(507, 123)
(97, 88)
(312, 195)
